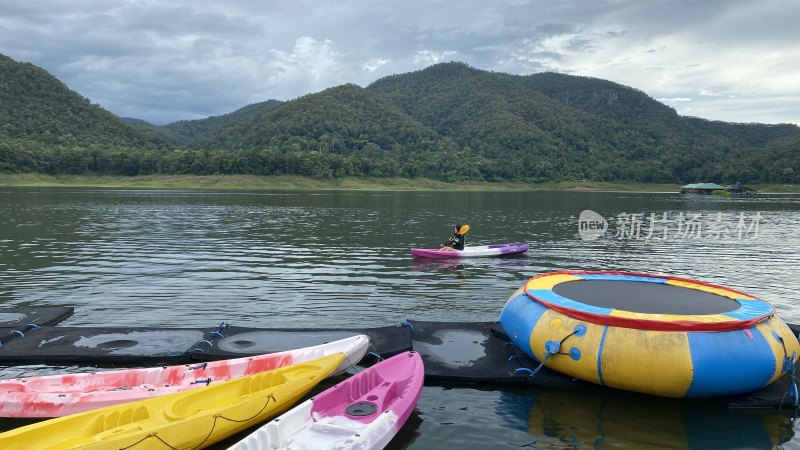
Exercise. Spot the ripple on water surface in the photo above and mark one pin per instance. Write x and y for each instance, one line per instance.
(341, 259)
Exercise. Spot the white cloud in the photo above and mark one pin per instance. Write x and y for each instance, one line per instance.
(679, 66)
(428, 57)
(711, 93)
(764, 109)
(374, 64)
(674, 100)
(310, 63)
(169, 60)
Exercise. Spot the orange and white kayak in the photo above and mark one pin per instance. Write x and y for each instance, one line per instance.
(60, 395)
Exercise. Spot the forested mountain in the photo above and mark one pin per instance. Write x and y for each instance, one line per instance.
(520, 131)
(344, 130)
(602, 98)
(36, 106)
(47, 128)
(183, 133)
(449, 122)
(594, 128)
(187, 131)
(345, 119)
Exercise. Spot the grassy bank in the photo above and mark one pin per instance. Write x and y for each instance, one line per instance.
(251, 182)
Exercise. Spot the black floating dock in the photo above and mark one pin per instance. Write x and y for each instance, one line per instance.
(474, 352)
(16, 321)
(93, 345)
(235, 342)
(157, 346)
(478, 352)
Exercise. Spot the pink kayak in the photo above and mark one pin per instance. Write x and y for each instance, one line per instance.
(61, 395)
(480, 251)
(363, 412)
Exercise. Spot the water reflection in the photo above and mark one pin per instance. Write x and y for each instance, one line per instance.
(605, 420)
(470, 417)
(427, 265)
(500, 264)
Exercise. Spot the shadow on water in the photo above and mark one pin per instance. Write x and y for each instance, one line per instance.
(606, 420)
(464, 417)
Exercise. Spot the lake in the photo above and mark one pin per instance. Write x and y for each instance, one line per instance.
(341, 259)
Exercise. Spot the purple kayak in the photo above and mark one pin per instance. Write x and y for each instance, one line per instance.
(480, 251)
(363, 412)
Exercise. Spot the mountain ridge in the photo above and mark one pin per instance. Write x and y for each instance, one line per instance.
(448, 121)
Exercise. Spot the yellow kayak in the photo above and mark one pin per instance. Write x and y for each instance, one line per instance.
(187, 420)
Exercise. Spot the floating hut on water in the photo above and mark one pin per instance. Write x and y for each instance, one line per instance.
(702, 188)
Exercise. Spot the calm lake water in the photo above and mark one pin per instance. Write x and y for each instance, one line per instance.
(341, 259)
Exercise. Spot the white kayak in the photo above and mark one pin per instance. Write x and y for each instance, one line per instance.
(363, 412)
(478, 251)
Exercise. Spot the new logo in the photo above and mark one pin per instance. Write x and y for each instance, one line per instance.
(591, 225)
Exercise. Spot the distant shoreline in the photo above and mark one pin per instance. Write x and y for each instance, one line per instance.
(295, 182)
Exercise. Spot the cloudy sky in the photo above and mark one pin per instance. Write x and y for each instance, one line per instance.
(168, 60)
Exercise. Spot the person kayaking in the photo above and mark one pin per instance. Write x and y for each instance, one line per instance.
(457, 240)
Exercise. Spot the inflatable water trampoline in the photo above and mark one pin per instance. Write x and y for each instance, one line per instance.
(653, 334)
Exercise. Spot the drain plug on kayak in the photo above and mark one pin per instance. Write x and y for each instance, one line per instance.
(360, 409)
